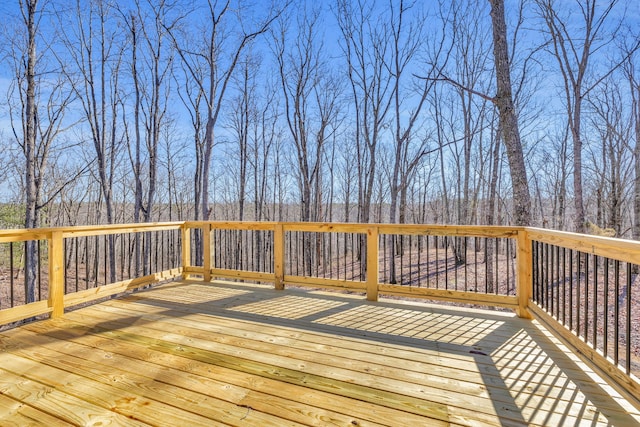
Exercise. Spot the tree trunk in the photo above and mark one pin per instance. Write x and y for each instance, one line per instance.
(508, 118)
(31, 214)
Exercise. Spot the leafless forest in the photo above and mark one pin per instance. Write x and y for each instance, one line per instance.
(460, 112)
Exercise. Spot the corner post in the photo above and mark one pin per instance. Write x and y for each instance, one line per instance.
(278, 255)
(56, 274)
(372, 264)
(186, 250)
(206, 251)
(524, 280)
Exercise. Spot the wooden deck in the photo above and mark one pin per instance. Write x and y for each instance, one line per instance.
(190, 353)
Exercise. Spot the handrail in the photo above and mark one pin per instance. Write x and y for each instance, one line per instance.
(586, 289)
(369, 254)
(54, 258)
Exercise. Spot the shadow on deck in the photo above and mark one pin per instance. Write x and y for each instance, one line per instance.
(193, 353)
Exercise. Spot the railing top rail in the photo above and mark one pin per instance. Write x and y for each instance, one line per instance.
(383, 228)
(610, 247)
(17, 235)
(234, 225)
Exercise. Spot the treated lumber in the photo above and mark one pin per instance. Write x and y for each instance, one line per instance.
(240, 274)
(125, 403)
(58, 403)
(459, 387)
(14, 413)
(185, 367)
(506, 301)
(21, 312)
(210, 394)
(614, 248)
(325, 283)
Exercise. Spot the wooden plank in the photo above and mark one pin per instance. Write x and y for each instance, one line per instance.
(150, 391)
(278, 256)
(439, 378)
(373, 267)
(413, 360)
(324, 283)
(206, 324)
(100, 230)
(56, 274)
(428, 392)
(57, 403)
(173, 386)
(326, 227)
(524, 276)
(193, 270)
(614, 248)
(325, 379)
(207, 251)
(21, 312)
(506, 301)
(7, 236)
(15, 413)
(186, 251)
(179, 368)
(406, 349)
(116, 399)
(242, 225)
(242, 274)
(449, 230)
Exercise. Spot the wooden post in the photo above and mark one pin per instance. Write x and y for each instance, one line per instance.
(524, 278)
(278, 255)
(186, 250)
(206, 251)
(372, 264)
(56, 274)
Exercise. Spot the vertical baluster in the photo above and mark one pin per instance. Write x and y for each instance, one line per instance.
(466, 253)
(11, 273)
(586, 297)
(508, 255)
(428, 261)
(616, 328)
(75, 255)
(628, 330)
(38, 272)
(436, 262)
(564, 286)
(578, 285)
(106, 255)
(410, 261)
(595, 302)
(605, 345)
(446, 262)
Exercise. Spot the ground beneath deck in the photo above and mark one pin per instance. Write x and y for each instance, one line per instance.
(190, 353)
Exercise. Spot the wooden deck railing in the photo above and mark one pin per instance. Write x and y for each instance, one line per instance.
(586, 288)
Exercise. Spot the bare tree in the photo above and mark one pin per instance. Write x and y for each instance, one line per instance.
(91, 63)
(365, 44)
(508, 119)
(612, 157)
(37, 104)
(210, 61)
(632, 75)
(310, 96)
(574, 46)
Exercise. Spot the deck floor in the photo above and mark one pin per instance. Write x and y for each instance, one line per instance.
(190, 353)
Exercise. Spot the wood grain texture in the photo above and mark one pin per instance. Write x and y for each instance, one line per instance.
(240, 354)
